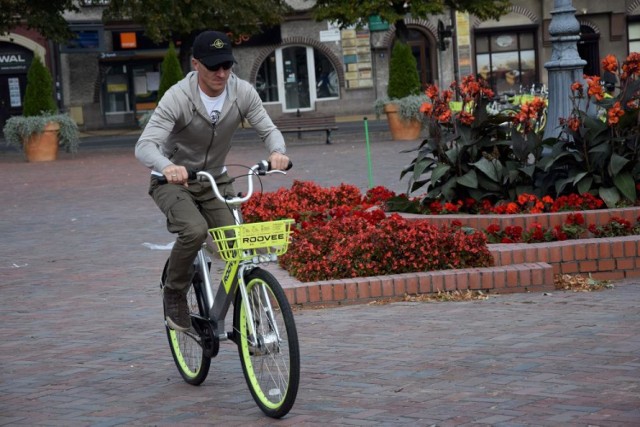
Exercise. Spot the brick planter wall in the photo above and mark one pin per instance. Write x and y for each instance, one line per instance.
(604, 258)
(518, 267)
(610, 258)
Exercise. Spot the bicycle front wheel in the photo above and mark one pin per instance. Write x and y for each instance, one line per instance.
(271, 359)
(188, 348)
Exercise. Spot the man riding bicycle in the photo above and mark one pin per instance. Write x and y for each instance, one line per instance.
(191, 129)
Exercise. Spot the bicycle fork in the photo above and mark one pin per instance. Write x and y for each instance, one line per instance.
(269, 340)
(216, 313)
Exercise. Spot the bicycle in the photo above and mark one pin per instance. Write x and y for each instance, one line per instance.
(263, 326)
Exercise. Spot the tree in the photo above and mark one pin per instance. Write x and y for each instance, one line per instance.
(171, 72)
(44, 16)
(349, 12)
(183, 20)
(403, 73)
(38, 97)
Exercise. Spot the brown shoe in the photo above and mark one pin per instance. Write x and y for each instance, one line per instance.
(176, 310)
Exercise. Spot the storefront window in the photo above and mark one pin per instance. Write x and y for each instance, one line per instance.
(86, 38)
(326, 77)
(507, 60)
(146, 82)
(297, 76)
(634, 36)
(267, 80)
(117, 97)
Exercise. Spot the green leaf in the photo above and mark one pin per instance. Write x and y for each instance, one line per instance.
(625, 183)
(439, 171)
(489, 185)
(421, 166)
(489, 168)
(601, 149)
(617, 163)
(402, 204)
(453, 154)
(528, 170)
(470, 179)
(449, 190)
(584, 184)
(561, 183)
(610, 196)
(578, 177)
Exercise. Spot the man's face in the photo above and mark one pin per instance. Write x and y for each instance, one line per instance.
(212, 81)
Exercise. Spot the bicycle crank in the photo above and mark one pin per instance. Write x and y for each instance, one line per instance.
(207, 331)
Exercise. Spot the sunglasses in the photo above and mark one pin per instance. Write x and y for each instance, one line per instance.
(225, 66)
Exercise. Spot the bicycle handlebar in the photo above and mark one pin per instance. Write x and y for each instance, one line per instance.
(263, 167)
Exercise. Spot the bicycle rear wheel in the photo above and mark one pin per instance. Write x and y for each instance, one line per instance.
(270, 361)
(187, 348)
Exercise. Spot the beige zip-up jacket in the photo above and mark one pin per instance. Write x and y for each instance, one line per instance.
(180, 131)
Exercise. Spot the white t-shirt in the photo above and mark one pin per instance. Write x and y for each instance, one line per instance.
(213, 104)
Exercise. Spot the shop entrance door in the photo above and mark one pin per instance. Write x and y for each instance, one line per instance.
(589, 51)
(296, 74)
(424, 53)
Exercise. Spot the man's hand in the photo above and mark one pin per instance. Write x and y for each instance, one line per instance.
(176, 174)
(278, 161)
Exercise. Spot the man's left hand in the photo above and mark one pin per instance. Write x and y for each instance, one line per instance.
(278, 161)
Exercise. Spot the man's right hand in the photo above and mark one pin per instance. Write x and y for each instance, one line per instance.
(176, 174)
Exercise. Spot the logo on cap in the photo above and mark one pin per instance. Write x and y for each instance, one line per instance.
(218, 44)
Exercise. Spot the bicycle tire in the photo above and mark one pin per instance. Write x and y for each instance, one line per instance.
(271, 369)
(187, 349)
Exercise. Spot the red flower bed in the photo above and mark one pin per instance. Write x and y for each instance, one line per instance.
(341, 234)
(526, 203)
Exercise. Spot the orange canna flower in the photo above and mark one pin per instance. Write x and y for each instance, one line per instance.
(614, 114)
(573, 123)
(610, 63)
(466, 118)
(445, 116)
(595, 88)
(631, 66)
(447, 95)
(432, 92)
(426, 108)
(577, 87)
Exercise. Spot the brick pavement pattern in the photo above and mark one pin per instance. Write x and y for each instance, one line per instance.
(82, 339)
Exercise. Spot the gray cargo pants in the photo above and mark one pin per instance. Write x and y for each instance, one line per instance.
(180, 205)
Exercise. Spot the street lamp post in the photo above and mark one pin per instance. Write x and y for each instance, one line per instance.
(565, 65)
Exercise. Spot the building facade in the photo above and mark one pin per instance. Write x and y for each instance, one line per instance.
(109, 74)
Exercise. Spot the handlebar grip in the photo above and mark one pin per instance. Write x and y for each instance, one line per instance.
(264, 166)
(191, 176)
(289, 166)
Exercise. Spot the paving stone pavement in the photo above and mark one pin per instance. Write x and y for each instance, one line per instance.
(82, 340)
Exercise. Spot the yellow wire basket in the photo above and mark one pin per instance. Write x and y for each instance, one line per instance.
(245, 241)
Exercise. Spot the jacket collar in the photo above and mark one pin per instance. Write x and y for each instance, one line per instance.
(189, 86)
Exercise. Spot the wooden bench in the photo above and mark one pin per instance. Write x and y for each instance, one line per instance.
(307, 122)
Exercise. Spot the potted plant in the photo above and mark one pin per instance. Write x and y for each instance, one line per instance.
(404, 98)
(41, 130)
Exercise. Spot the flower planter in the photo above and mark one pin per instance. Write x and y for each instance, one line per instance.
(43, 147)
(401, 130)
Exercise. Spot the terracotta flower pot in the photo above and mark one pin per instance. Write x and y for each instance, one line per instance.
(43, 147)
(401, 130)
